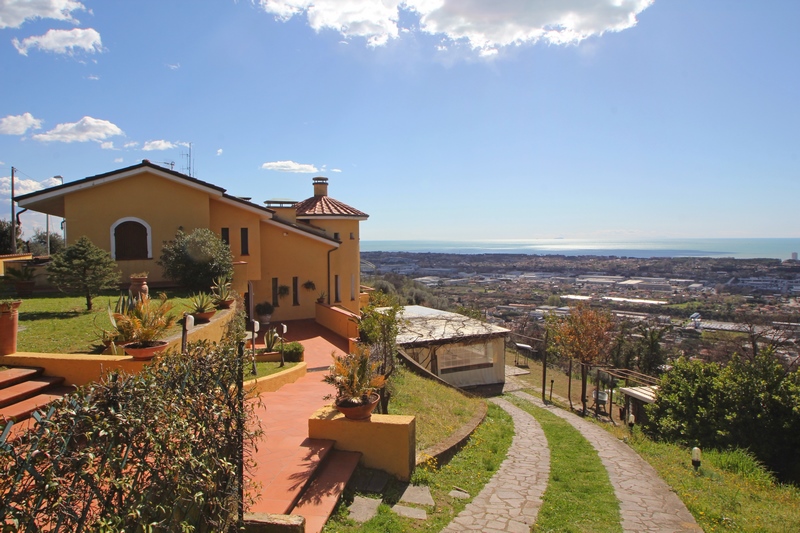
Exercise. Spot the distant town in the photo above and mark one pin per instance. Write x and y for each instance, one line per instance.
(755, 297)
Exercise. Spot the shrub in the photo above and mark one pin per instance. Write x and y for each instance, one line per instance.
(196, 259)
(293, 352)
(156, 450)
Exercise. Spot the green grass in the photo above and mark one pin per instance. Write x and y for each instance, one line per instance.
(730, 491)
(470, 470)
(560, 381)
(439, 410)
(579, 495)
(266, 368)
(55, 323)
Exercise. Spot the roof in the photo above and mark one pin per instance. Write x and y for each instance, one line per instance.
(645, 394)
(325, 206)
(423, 325)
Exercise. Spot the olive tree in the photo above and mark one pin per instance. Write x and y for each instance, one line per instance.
(84, 269)
(195, 259)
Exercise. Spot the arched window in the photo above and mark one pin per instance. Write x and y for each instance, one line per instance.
(131, 239)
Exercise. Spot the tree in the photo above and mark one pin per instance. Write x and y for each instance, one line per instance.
(84, 269)
(377, 329)
(194, 260)
(651, 354)
(5, 238)
(38, 243)
(584, 335)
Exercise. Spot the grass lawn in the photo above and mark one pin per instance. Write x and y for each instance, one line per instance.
(470, 469)
(439, 410)
(265, 369)
(579, 495)
(55, 323)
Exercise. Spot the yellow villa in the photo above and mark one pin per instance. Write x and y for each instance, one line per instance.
(307, 247)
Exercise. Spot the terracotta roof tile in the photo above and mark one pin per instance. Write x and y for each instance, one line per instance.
(326, 206)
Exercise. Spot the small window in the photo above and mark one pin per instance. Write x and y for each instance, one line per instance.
(337, 288)
(336, 236)
(225, 235)
(275, 292)
(295, 292)
(245, 243)
(352, 287)
(352, 236)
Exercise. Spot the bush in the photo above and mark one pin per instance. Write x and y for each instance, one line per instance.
(158, 449)
(196, 259)
(83, 269)
(293, 352)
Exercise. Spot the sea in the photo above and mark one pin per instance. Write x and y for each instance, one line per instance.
(736, 248)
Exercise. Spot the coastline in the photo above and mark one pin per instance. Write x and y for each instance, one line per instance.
(737, 248)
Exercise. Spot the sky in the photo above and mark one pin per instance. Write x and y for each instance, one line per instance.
(441, 119)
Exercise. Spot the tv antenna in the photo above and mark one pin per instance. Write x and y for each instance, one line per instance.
(170, 164)
(187, 169)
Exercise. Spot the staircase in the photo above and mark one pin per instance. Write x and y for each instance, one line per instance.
(23, 390)
(309, 483)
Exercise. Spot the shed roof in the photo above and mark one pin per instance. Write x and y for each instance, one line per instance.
(423, 325)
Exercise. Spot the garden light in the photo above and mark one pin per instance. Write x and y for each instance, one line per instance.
(696, 454)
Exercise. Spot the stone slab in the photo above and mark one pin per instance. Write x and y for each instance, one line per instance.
(419, 494)
(363, 509)
(410, 512)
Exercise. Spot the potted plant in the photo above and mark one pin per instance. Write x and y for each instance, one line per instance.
(321, 297)
(23, 279)
(139, 285)
(143, 324)
(264, 312)
(356, 381)
(283, 291)
(9, 320)
(310, 285)
(201, 306)
(222, 293)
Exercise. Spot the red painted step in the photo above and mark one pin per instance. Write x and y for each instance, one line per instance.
(320, 498)
(280, 493)
(12, 376)
(27, 389)
(21, 410)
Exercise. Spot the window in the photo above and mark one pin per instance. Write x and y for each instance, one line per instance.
(336, 236)
(245, 243)
(275, 292)
(336, 288)
(225, 235)
(352, 236)
(352, 286)
(130, 239)
(464, 358)
(295, 292)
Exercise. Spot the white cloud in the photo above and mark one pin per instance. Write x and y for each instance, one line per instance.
(174, 66)
(14, 12)
(86, 129)
(484, 26)
(108, 145)
(24, 186)
(19, 124)
(118, 160)
(62, 42)
(132, 144)
(219, 152)
(289, 166)
(93, 77)
(336, 170)
(150, 146)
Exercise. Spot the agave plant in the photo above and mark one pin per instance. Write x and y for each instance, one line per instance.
(143, 321)
(354, 376)
(221, 290)
(201, 302)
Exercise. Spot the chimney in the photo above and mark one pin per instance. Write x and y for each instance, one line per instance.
(320, 186)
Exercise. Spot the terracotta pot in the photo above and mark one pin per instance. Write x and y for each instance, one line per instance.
(203, 317)
(264, 319)
(144, 352)
(225, 304)
(358, 411)
(9, 320)
(139, 287)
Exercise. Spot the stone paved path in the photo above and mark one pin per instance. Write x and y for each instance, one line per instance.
(512, 498)
(647, 504)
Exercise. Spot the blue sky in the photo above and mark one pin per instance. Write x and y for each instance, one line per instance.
(442, 119)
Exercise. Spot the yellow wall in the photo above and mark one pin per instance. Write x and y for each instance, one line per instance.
(93, 210)
(340, 321)
(387, 442)
(346, 261)
(224, 215)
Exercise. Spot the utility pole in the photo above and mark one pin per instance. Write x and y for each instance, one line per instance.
(13, 216)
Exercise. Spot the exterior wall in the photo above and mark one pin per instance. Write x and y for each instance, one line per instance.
(286, 254)
(338, 320)
(92, 212)
(228, 216)
(345, 262)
